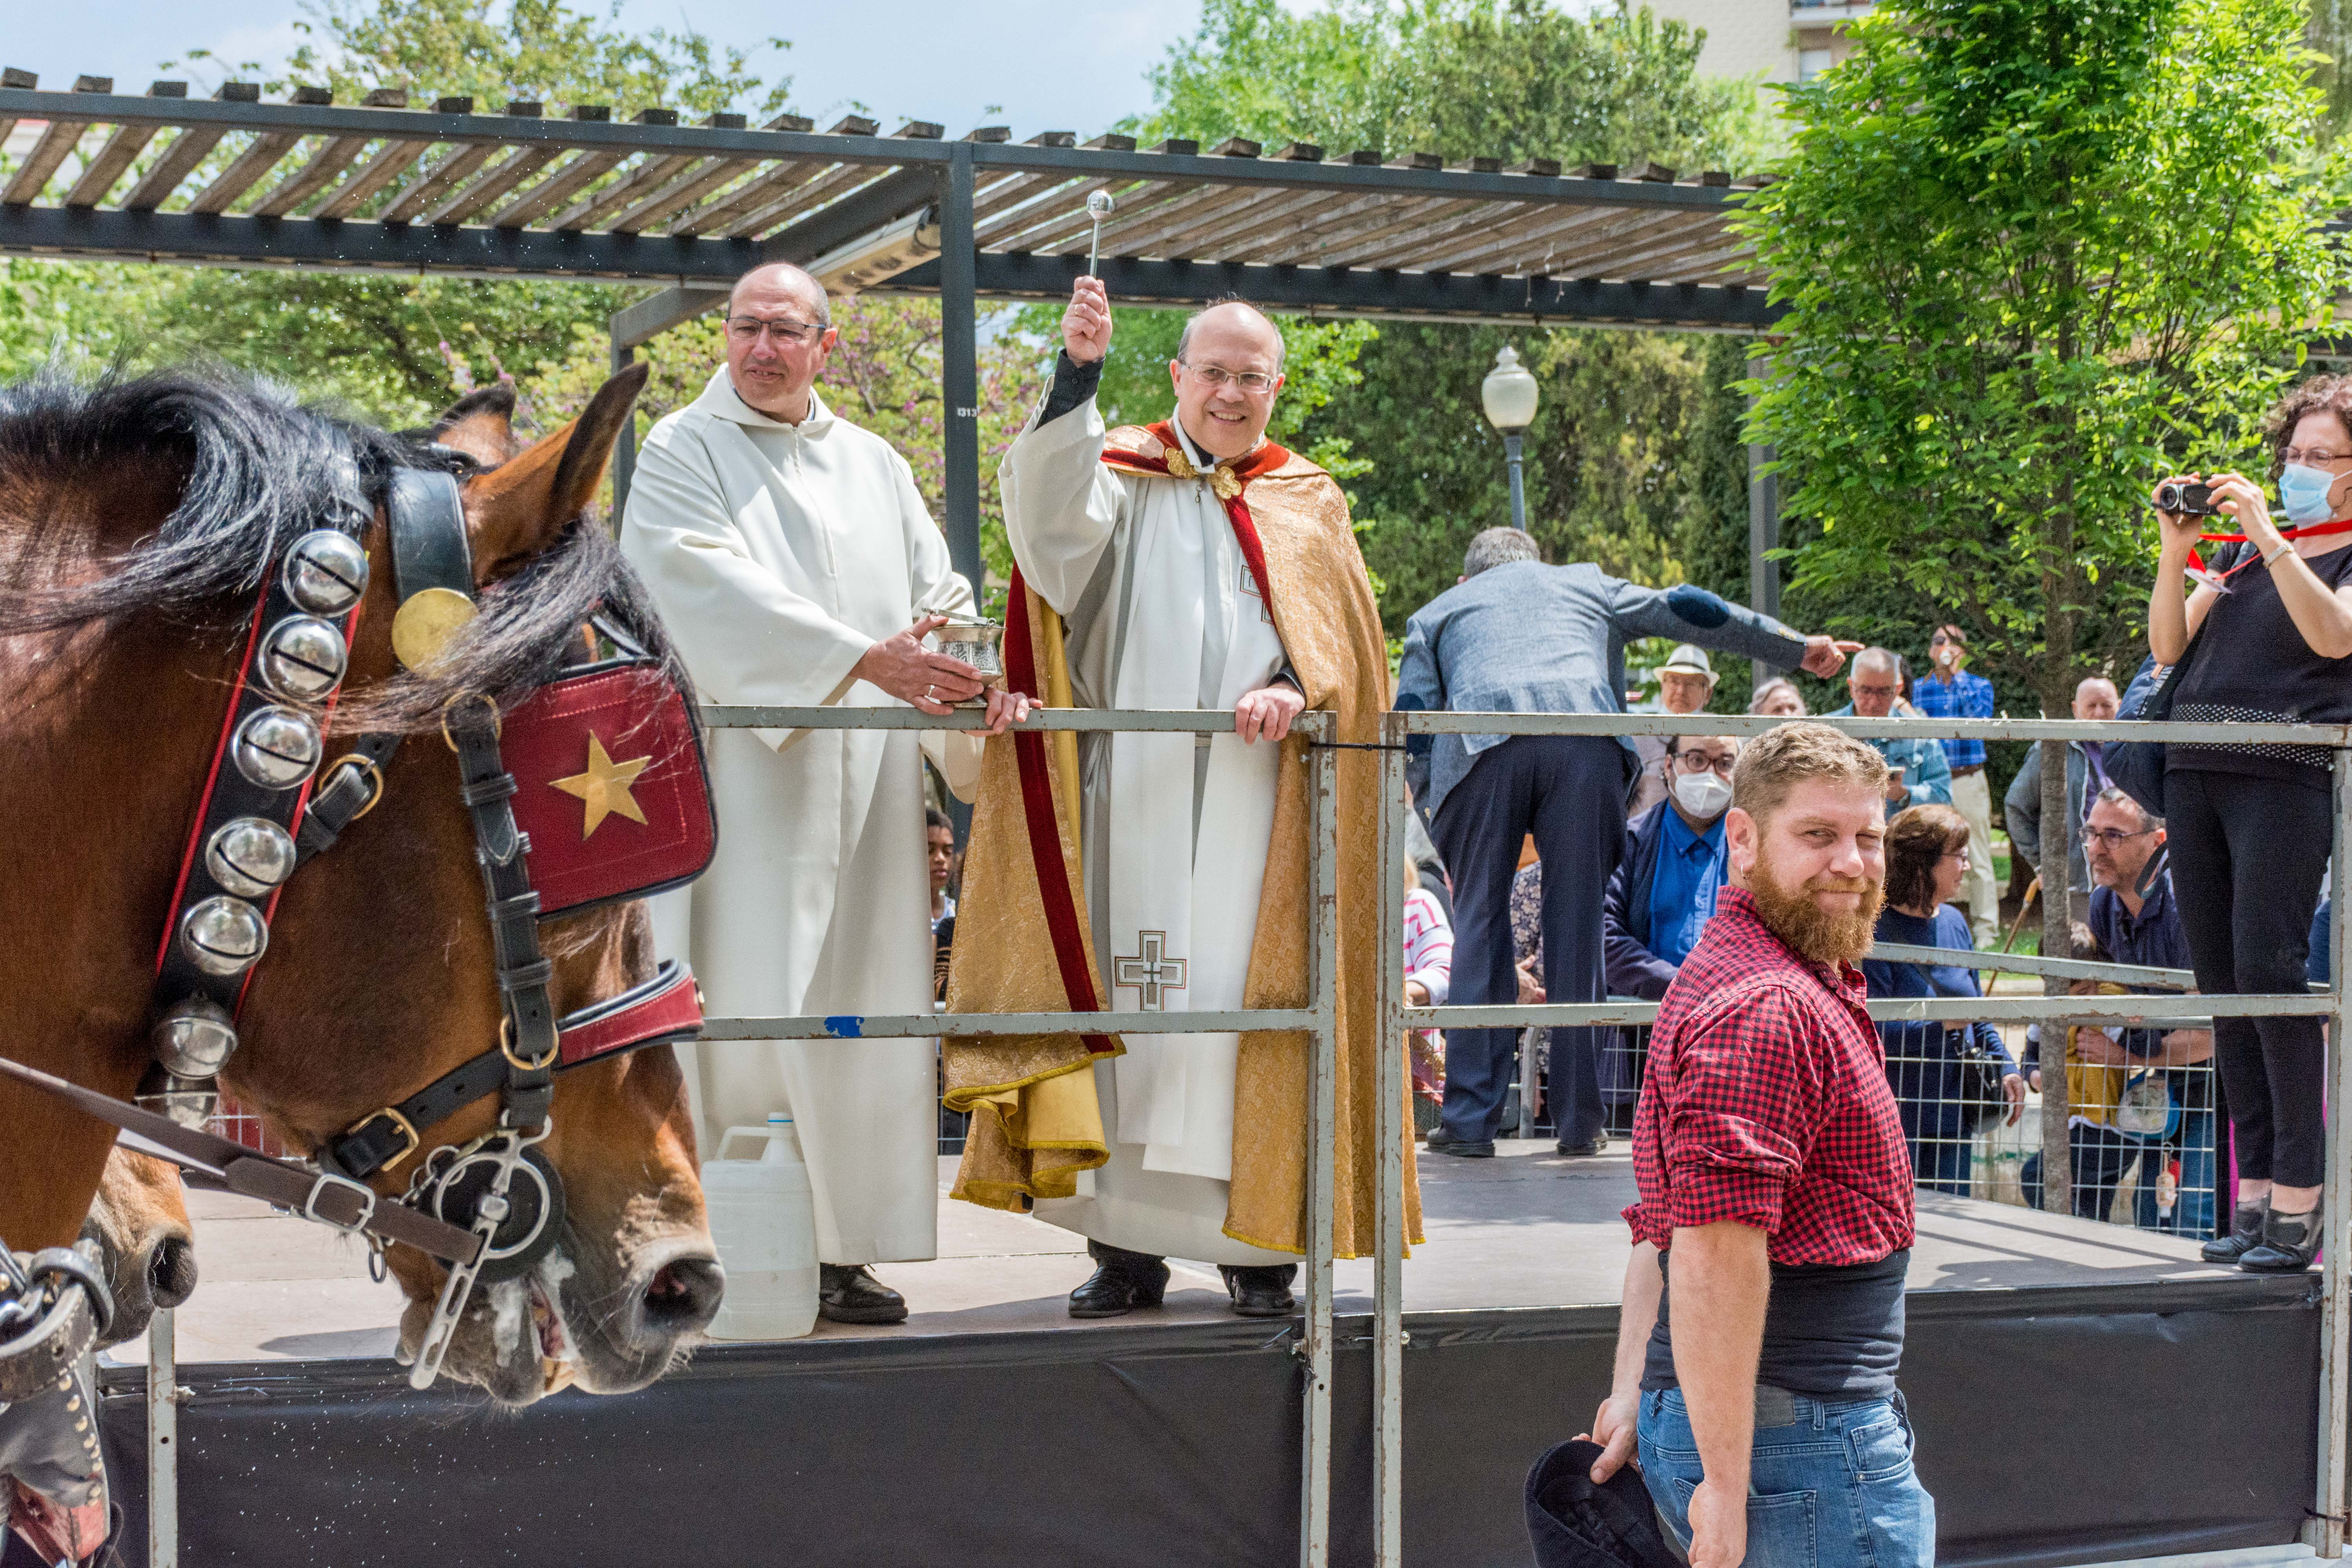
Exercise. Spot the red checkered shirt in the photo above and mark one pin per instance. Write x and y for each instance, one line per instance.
(1766, 1101)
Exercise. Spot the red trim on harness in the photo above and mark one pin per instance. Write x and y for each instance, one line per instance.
(204, 801)
(669, 1009)
(1044, 829)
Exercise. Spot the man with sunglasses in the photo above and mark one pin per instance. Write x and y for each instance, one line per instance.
(796, 565)
(1917, 772)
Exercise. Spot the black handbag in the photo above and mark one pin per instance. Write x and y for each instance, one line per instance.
(1981, 1075)
(2137, 767)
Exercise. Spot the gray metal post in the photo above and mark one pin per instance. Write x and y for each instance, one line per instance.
(1512, 445)
(1531, 1044)
(2057, 917)
(1388, 1257)
(624, 449)
(1763, 531)
(2336, 1312)
(960, 367)
(163, 1444)
(1323, 1077)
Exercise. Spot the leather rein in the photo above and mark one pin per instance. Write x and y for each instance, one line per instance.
(490, 1208)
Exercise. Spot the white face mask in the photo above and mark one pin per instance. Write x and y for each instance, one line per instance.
(1705, 795)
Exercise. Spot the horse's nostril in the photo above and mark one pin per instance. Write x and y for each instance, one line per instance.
(171, 1271)
(685, 1294)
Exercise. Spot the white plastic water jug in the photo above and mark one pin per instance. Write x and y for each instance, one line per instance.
(764, 1223)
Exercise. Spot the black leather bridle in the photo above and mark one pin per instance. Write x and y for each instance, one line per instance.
(493, 1207)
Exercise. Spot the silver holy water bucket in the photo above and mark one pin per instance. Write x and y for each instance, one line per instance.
(977, 641)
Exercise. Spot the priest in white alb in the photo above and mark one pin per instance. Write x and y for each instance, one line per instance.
(795, 565)
(1192, 564)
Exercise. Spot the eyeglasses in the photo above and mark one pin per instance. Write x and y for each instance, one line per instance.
(1695, 761)
(748, 329)
(1862, 690)
(2112, 837)
(1961, 854)
(2315, 455)
(1254, 382)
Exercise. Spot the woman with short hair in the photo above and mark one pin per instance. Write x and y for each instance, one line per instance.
(1928, 1064)
(2266, 636)
(1778, 698)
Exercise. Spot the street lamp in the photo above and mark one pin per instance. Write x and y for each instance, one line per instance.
(1509, 393)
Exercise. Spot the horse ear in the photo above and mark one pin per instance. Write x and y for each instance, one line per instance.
(480, 424)
(517, 508)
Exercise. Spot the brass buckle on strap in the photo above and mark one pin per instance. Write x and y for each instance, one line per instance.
(506, 1048)
(407, 1130)
(373, 774)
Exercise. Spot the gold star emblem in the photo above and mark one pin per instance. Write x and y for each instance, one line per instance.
(606, 786)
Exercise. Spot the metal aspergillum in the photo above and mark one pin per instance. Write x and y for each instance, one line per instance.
(1099, 207)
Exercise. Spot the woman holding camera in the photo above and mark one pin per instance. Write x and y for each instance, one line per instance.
(1928, 1065)
(2249, 826)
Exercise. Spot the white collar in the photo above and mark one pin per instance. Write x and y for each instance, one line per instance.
(721, 401)
(1200, 460)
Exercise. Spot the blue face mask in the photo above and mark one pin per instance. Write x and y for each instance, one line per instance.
(2303, 491)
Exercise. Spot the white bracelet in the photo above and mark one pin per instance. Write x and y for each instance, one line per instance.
(2285, 545)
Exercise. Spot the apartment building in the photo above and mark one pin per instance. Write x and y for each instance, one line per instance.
(1782, 40)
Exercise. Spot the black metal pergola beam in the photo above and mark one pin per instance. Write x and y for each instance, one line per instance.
(1380, 295)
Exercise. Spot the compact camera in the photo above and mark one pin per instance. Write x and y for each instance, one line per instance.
(2185, 500)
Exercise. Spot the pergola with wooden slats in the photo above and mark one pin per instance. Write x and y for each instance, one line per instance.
(391, 186)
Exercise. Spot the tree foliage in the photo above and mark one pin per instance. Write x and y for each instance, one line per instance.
(1500, 78)
(2033, 255)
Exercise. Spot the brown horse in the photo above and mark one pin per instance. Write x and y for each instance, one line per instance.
(137, 520)
(139, 1226)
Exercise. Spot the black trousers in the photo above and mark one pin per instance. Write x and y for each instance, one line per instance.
(1569, 791)
(2247, 856)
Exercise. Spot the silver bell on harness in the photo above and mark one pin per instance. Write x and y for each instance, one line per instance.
(529, 1215)
(326, 572)
(224, 936)
(301, 658)
(277, 748)
(249, 855)
(194, 1038)
(190, 1101)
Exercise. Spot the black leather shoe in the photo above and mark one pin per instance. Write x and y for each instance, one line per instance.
(2245, 1234)
(848, 1293)
(1461, 1149)
(1125, 1281)
(2290, 1241)
(1262, 1291)
(1600, 1146)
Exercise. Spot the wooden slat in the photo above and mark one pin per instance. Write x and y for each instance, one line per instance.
(1133, 225)
(1279, 229)
(544, 197)
(384, 165)
(113, 161)
(688, 188)
(1554, 248)
(1058, 203)
(33, 174)
(1072, 231)
(1374, 231)
(1656, 258)
(427, 188)
(839, 180)
(589, 212)
(245, 171)
(1180, 227)
(728, 205)
(1435, 248)
(187, 149)
(322, 168)
(494, 183)
(1006, 194)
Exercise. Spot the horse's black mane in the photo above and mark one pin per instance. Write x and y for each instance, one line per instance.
(261, 469)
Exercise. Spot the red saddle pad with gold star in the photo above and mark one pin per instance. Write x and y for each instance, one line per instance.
(610, 787)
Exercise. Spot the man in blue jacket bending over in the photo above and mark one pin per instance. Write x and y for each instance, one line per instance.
(1515, 636)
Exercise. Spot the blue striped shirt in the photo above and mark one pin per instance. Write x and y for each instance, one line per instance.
(1965, 696)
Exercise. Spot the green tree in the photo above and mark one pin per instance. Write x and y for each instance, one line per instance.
(2034, 255)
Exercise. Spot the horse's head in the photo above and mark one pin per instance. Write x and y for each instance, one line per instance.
(140, 1226)
(380, 975)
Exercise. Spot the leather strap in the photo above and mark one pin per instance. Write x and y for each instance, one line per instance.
(664, 1010)
(334, 1200)
(429, 549)
(347, 789)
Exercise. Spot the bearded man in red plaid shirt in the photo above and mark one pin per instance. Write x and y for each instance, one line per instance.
(1776, 1197)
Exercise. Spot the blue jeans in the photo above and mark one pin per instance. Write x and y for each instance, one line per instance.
(1832, 1486)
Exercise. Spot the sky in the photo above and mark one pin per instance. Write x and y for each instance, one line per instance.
(1036, 64)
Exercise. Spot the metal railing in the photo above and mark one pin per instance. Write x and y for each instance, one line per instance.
(2327, 1532)
(1319, 1021)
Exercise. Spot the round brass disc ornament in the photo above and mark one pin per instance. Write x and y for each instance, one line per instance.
(426, 622)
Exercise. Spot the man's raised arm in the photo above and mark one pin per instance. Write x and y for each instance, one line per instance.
(1061, 505)
(1690, 613)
